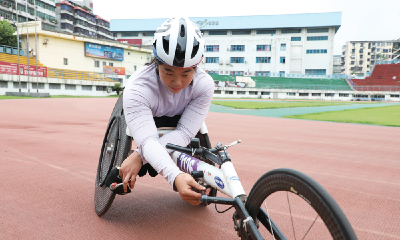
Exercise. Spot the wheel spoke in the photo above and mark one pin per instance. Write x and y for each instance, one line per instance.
(269, 220)
(291, 217)
(310, 227)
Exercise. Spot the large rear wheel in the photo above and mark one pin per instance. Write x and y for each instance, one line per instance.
(115, 148)
(290, 205)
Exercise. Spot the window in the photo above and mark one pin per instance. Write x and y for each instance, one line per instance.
(394, 96)
(237, 73)
(253, 92)
(65, 61)
(296, 39)
(111, 64)
(237, 48)
(352, 68)
(212, 48)
(263, 59)
(148, 34)
(361, 62)
(385, 50)
(212, 59)
(272, 31)
(352, 63)
(353, 51)
(283, 46)
(317, 38)
(373, 44)
(101, 88)
(291, 94)
(35, 86)
(54, 86)
(87, 88)
(329, 94)
(104, 63)
(3, 84)
(217, 91)
(303, 94)
(237, 59)
(343, 95)
(317, 30)
(361, 44)
(16, 85)
(378, 44)
(241, 32)
(129, 34)
(313, 51)
(241, 92)
(70, 87)
(282, 60)
(262, 73)
(378, 49)
(134, 68)
(361, 56)
(96, 64)
(354, 44)
(289, 30)
(361, 50)
(265, 93)
(263, 47)
(228, 92)
(217, 32)
(316, 94)
(315, 71)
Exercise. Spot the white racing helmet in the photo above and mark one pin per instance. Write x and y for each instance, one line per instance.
(178, 42)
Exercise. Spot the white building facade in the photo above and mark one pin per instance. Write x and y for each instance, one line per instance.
(278, 45)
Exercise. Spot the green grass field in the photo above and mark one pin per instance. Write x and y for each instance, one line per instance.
(54, 96)
(272, 105)
(384, 116)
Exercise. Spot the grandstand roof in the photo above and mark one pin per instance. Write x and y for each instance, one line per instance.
(331, 19)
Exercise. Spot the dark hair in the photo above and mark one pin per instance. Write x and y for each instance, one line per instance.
(158, 63)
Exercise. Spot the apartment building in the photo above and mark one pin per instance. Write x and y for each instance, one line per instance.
(284, 45)
(358, 57)
(337, 64)
(78, 18)
(45, 12)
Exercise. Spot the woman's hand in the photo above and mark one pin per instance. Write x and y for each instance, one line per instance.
(183, 184)
(129, 170)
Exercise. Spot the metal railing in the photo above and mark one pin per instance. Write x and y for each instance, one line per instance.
(11, 50)
(77, 75)
(376, 88)
(302, 86)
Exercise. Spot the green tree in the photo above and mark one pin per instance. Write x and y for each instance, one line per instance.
(6, 34)
(117, 88)
(86, 8)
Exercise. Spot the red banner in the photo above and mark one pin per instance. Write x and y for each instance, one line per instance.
(12, 68)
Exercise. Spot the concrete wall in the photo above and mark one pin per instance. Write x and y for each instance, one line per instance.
(97, 88)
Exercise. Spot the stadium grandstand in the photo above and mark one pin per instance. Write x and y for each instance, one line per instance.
(384, 77)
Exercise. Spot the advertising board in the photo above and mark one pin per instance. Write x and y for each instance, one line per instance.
(12, 68)
(102, 51)
(116, 70)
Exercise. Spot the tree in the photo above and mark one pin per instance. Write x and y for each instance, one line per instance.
(7, 36)
(86, 8)
(117, 88)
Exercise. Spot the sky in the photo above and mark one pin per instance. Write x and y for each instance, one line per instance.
(362, 20)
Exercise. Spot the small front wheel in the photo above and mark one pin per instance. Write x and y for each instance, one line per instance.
(290, 205)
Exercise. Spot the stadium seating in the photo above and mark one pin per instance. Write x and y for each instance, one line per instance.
(382, 75)
(54, 72)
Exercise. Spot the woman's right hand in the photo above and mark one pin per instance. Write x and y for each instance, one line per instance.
(130, 169)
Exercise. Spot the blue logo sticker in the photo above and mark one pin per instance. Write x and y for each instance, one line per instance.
(219, 182)
(234, 178)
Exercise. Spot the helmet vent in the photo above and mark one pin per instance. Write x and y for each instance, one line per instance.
(182, 31)
(196, 46)
(166, 44)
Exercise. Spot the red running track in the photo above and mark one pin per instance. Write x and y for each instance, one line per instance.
(49, 150)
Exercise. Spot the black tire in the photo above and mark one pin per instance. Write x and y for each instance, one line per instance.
(118, 145)
(285, 190)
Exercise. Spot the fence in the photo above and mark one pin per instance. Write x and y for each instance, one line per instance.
(11, 50)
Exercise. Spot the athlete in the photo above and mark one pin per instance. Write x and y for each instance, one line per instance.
(171, 91)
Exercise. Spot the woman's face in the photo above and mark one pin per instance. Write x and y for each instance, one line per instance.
(174, 78)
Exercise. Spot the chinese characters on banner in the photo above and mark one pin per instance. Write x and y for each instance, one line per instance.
(115, 70)
(12, 68)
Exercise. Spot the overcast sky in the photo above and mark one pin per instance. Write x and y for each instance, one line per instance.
(361, 19)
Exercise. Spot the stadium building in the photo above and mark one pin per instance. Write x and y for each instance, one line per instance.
(68, 64)
(268, 45)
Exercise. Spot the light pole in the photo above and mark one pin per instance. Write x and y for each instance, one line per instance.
(19, 75)
(27, 40)
(36, 53)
